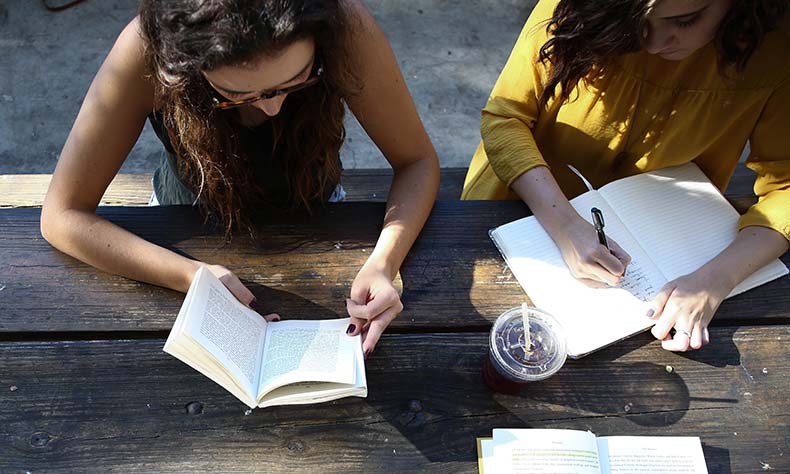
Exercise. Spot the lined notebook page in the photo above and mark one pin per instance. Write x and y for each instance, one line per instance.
(591, 318)
(681, 220)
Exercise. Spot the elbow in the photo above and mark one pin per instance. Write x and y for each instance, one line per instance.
(48, 224)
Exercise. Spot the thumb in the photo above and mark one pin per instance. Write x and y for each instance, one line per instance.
(356, 312)
(660, 301)
(658, 305)
(238, 289)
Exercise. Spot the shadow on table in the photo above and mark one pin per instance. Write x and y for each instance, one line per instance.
(717, 459)
(447, 405)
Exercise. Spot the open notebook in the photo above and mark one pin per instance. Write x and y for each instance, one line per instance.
(671, 222)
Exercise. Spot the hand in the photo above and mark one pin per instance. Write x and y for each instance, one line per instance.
(589, 260)
(241, 292)
(374, 303)
(687, 304)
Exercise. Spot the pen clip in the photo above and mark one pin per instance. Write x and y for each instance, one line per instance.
(597, 216)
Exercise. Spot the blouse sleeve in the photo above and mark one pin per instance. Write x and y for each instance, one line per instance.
(512, 109)
(770, 159)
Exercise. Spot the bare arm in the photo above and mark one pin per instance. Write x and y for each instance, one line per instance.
(386, 111)
(690, 302)
(575, 237)
(107, 126)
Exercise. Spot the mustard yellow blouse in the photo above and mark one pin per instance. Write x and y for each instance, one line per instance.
(660, 113)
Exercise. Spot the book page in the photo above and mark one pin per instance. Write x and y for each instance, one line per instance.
(591, 317)
(535, 451)
(681, 219)
(307, 351)
(485, 456)
(651, 455)
(315, 392)
(231, 332)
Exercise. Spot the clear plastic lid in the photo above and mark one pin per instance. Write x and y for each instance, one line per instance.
(545, 354)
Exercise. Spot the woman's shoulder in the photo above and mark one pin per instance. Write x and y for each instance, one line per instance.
(770, 63)
(126, 64)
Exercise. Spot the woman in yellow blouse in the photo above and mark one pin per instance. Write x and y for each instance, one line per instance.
(618, 87)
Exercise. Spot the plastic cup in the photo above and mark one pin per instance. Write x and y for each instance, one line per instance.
(509, 367)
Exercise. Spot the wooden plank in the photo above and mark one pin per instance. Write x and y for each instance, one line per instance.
(453, 277)
(28, 190)
(361, 185)
(104, 406)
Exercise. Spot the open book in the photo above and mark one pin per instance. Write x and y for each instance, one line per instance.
(536, 451)
(264, 363)
(671, 222)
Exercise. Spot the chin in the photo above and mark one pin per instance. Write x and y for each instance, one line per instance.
(677, 55)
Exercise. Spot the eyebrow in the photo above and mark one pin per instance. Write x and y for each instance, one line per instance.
(686, 15)
(275, 87)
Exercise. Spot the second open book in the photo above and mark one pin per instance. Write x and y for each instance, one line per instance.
(671, 221)
(264, 363)
(552, 451)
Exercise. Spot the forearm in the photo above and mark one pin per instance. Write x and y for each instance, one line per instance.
(110, 248)
(411, 198)
(540, 191)
(753, 248)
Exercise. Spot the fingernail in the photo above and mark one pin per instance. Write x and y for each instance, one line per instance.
(650, 313)
(351, 329)
(254, 303)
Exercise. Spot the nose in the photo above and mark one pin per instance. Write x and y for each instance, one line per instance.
(271, 107)
(657, 39)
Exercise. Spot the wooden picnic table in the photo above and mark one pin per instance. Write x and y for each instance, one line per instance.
(85, 386)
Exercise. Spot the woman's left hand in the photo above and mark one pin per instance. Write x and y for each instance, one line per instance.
(374, 303)
(687, 304)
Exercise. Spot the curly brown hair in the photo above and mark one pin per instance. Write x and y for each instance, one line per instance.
(185, 37)
(585, 35)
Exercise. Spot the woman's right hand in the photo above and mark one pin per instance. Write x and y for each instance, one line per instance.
(589, 260)
(241, 292)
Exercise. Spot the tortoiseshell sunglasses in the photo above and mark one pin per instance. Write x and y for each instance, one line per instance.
(230, 104)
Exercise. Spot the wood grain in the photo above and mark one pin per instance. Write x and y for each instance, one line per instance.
(99, 406)
(452, 278)
(370, 185)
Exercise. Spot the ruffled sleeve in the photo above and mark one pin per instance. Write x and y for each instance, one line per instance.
(512, 109)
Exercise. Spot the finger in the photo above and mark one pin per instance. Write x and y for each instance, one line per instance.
(666, 321)
(591, 283)
(376, 329)
(355, 326)
(678, 343)
(696, 337)
(609, 262)
(238, 289)
(660, 301)
(596, 272)
(620, 254)
(357, 310)
(272, 317)
(374, 306)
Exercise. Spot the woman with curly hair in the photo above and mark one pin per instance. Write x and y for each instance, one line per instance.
(620, 87)
(248, 99)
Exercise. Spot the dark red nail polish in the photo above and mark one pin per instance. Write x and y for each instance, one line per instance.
(254, 303)
(351, 329)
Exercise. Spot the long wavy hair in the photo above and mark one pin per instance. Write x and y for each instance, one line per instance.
(185, 37)
(585, 36)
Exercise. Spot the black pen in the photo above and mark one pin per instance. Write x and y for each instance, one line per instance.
(598, 223)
